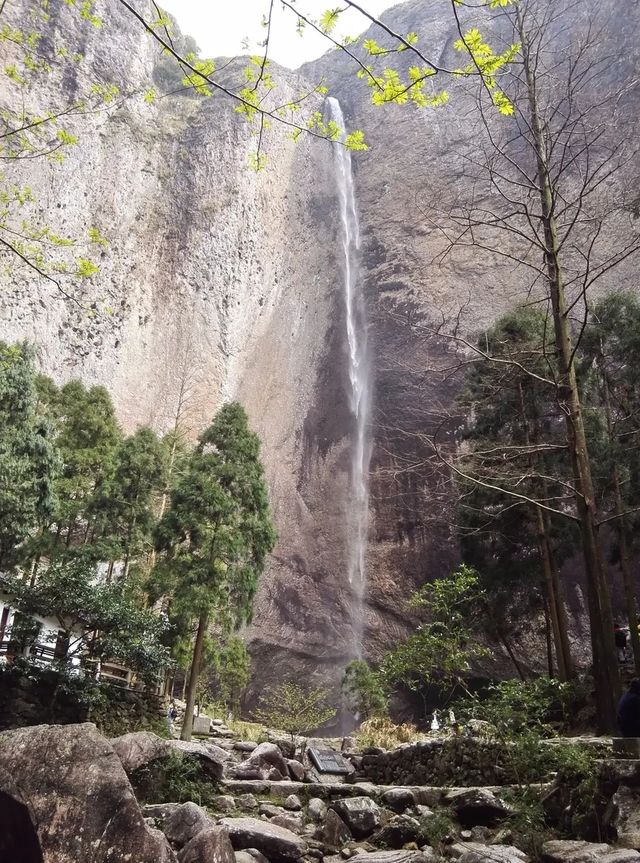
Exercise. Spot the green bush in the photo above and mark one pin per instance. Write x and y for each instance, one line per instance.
(175, 779)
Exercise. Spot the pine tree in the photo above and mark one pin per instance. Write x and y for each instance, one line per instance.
(138, 479)
(216, 534)
(28, 463)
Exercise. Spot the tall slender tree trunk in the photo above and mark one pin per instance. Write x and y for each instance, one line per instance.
(622, 531)
(196, 662)
(563, 621)
(605, 665)
(555, 609)
(549, 639)
(554, 601)
(505, 643)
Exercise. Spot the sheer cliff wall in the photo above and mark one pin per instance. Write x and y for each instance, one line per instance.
(219, 282)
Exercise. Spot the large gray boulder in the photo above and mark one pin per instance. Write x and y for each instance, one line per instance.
(576, 851)
(65, 798)
(476, 852)
(266, 761)
(360, 814)
(179, 822)
(140, 748)
(398, 831)
(477, 806)
(211, 845)
(278, 844)
(393, 857)
(335, 833)
(399, 799)
(316, 809)
(623, 816)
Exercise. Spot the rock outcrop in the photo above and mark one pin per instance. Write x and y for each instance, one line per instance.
(64, 797)
(219, 282)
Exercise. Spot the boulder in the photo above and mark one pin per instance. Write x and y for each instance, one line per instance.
(316, 809)
(398, 831)
(211, 757)
(201, 724)
(360, 814)
(399, 799)
(392, 857)
(251, 855)
(335, 833)
(224, 803)
(296, 770)
(139, 748)
(477, 806)
(245, 746)
(63, 787)
(576, 851)
(476, 852)
(270, 810)
(211, 845)
(265, 761)
(291, 820)
(278, 844)
(623, 816)
(292, 803)
(179, 822)
(247, 801)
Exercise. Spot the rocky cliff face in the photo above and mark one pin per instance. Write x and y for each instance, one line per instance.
(222, 283)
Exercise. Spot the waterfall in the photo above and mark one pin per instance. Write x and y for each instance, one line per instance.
(357, 505)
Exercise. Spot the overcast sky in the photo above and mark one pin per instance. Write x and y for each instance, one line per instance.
(220, 26)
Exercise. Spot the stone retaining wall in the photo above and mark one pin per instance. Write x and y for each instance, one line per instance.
(461, 761)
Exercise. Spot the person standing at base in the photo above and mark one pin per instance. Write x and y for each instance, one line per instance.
(629, 710)
(620, 637)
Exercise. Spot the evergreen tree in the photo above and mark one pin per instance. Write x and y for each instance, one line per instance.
(513, 437)
(610, 374)
(216, 534)
(88, 438)
(137, 481)
(232, 666)
(28, 463)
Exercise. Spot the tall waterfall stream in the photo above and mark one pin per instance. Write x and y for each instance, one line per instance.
(357, 515)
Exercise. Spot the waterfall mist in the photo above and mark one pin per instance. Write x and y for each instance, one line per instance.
(357, 504)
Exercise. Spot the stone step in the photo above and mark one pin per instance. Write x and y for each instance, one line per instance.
(425, 795)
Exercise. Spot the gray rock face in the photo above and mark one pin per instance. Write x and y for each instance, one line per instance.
(399, 799)
(296, 770)
(251, 855)
(398, 831)
(224, 803)
(266, 761)
(360, 814)
(316, 809)
(227, 281)
(180, 822)
(65, 786)
(143, 747)
(476, 806)
(211, 845)
(623, 816)
(575, 851)
(475, 852)
(393, 857)
(335, 833)
(278, 844)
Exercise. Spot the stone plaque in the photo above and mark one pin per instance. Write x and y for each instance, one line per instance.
(330, 761)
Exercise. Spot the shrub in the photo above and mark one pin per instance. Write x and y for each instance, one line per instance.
(380, 731)
(174, 780)
(295, 710)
